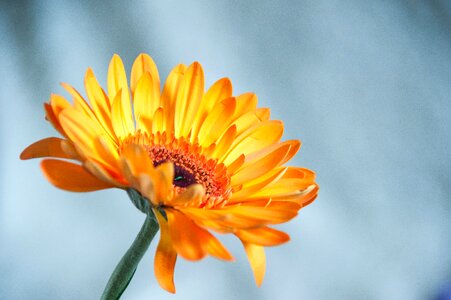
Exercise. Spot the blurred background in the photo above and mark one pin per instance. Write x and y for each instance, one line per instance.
(366, 86)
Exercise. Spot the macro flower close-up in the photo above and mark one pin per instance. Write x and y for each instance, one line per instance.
(200, 160)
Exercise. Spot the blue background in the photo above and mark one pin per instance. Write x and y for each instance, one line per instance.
(366, 86)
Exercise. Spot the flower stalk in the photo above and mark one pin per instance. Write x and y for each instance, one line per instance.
(126, 268)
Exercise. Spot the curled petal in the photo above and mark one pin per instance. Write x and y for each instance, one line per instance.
(165, 257)
(144, 64)
(188, 99)
(191, 241)
(192, 196)
(71, 177)
(257, 260)
(264, 236)
(45, 147)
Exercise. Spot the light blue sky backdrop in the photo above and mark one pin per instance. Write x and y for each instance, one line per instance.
(366, 86)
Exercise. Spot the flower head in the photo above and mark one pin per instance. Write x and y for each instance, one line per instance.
(206, 161)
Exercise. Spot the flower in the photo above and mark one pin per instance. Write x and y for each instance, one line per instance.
(206, 161)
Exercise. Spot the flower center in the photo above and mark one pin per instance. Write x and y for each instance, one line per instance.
(190, 164)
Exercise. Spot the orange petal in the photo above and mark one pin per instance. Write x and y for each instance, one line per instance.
(265, 215)
(188, 99)
(53, 119)
(194, 241)
(169, 95)
(243, 217)
(185, 236)
(138, 158)
(58, 103)
(71, 177)
(45, 147)
(257, 260)
(144, 64)
(214, 247)
(165, 175)
(98, 171)
(117, 79)
(192, 196)
(165, 257)
(264, 236)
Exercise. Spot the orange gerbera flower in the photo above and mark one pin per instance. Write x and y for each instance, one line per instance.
(205, 161)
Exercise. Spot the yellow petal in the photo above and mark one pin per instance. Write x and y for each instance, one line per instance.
(302, 198)
(142, 65)
(100, 103)
(117, 79)
(170, 94)
(82, 106)
(122, 118)
(106, 154)
(224, 143)
(158, 121)
(250, 119)
(188, 99)
(254, 186)
(71, 177)
(83, 132)
(220, 90)
(74, 93)
(255, 138)
(294, 181)
(236, 164)
(216, 122)
(165, 257)
(260, 165)
(245, 103)
(264, 236)
(146, 100)
(257, 260)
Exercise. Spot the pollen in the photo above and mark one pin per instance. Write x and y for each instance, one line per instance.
(190, 165)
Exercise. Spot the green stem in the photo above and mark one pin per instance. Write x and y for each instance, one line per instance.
(124, 271)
